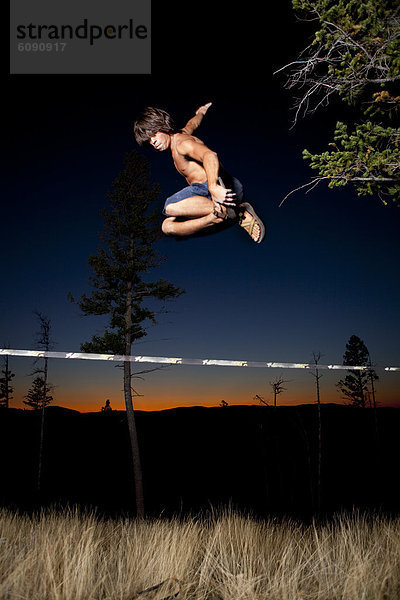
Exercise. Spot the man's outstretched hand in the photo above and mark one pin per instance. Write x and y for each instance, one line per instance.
(203, 109)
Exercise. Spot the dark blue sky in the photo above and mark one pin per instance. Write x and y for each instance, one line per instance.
(327, 269)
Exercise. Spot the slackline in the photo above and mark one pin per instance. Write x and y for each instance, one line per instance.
(205, 362)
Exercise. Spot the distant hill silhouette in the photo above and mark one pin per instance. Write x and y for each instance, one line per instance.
(255, 457)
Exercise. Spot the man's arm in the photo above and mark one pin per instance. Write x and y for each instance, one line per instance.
(195, 121)
(209, 159)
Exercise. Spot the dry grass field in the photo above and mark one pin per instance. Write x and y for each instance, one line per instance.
(74, 556)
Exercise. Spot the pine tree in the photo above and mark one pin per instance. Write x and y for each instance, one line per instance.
(354, 386)
(38, 395)
(354, 56)
(6, 389)
(120, 285)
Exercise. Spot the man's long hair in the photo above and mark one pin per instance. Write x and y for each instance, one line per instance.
(151, 121)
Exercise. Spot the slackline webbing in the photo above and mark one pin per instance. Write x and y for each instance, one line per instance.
(182, 361)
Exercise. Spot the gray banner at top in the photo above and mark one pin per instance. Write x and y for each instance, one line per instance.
(85, 36)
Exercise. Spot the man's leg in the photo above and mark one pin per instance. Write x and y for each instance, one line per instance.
(198, 212)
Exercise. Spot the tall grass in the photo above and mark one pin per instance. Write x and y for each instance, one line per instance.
(76, 556)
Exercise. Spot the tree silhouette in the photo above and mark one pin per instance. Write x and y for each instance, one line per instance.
(120, 280)
(317, 377)
(6, 388)
(41, 385)
(277, 387)
(355, 385)
(38, 396)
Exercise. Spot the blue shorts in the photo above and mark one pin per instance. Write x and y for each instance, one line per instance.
(201, 189)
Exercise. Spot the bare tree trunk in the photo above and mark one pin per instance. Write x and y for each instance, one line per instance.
(317, 377)
(41, 444)
(137, 468)
(360, 383)
(377, 453)
(371, 376)
(319, 461)
(40, 462)
(6, 397)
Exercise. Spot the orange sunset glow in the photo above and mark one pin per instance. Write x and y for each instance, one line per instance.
(153, 396)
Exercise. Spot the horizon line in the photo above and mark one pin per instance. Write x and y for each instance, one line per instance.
(123, 410)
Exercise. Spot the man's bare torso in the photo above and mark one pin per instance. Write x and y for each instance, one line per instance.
(191, 169)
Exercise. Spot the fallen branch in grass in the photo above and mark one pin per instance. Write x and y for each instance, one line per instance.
(172, 580)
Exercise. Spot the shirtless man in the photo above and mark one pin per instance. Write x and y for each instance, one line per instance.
(212, 196)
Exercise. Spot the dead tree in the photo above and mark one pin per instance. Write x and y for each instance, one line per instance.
(277, 387)
(317, 377)
(261, 400)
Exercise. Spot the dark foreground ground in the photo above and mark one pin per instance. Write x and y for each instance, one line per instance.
(253, 457)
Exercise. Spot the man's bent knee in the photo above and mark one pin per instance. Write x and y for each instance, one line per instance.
(173, 209)
(167, 226)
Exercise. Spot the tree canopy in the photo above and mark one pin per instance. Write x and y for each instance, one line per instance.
(127, 254)
(354, 55)
(38, 395)
(354, 386)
